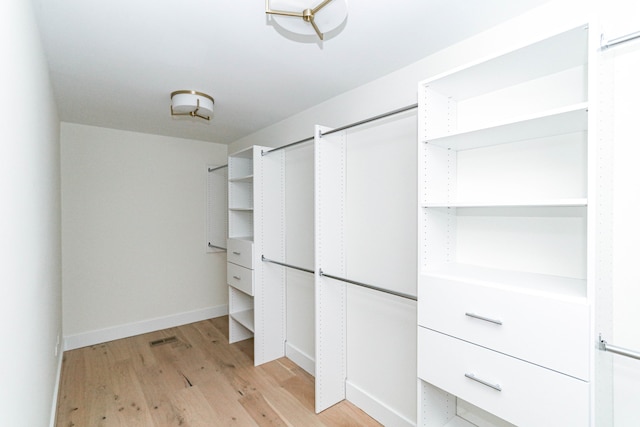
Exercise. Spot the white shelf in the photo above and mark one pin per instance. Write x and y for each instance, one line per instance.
(246, 178)
(558, 121)
(241, 209)
(554, 54)
(552, 203)
(245, 318)
(247, 238)
(569, 289)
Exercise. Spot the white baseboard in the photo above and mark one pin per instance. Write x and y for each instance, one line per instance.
(56, 388)
(375, 408)
(300, 358)
(130, 329)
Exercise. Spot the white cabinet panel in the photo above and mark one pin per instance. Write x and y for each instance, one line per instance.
(240, 252)
(519, 324)
(240, 278)
(519, 392)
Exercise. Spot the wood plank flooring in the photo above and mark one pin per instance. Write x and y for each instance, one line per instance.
(196, 380)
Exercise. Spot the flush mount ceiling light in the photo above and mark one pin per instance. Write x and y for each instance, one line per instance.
(191, 103)
(331, 13)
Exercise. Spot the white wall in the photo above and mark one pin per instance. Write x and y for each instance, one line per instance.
(617, 319)
(372, 321)
(133, 234)
(30, 285)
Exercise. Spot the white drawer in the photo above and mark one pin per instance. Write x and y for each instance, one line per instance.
(240, 278)
(240, 252)
(529, 395)
(549, 332)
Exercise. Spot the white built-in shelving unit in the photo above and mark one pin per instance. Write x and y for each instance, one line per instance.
(256, 293)
(503, 290)
(240, 254)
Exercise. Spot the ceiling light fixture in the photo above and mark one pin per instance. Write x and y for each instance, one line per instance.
(191, 103)
(334, 12)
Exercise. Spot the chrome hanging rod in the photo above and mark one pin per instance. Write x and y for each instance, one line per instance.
(216, 168)
(364, 285)
(264, 153)
(620, 40)
(605, 346)
(287, 265)
(371, 119)
(216, 247)
(351, 125)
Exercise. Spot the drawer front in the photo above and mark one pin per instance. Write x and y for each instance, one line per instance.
(529, 395)
(240, 252)
(545, 331)
(240, 278)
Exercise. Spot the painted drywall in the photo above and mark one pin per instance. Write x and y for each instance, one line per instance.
(619, 377)
(133, 233)
(30, 302)
(386, 329)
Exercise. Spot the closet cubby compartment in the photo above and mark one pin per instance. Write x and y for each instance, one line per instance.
(241, 224)
(542, 171)
(241, 166)
(534, 249)
(241, 314)
(526, 88)
(241, 194)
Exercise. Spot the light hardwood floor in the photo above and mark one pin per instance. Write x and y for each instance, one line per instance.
(196, 380)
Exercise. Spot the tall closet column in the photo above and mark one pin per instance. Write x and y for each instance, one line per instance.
(330, 294)
(256, 291)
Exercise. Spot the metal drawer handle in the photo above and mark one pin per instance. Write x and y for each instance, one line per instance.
(236, 277)
(483, 382)
(236, 253)
(486, 319)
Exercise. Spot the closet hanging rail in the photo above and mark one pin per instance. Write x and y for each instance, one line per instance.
(216, 168)
(364, 285)
(605, 346)
(216, 247)
(287, 265)
(620, 40)
(264, 153)
(351, 125)
(371, 119)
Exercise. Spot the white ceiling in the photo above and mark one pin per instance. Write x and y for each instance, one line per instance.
(114, 63)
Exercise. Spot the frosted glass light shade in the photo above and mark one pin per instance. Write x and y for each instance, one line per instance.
(328, 18)
(186, 101)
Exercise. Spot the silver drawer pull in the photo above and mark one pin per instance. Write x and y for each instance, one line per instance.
(486, 319)
(236, 277)
(483, 382)
(236, 253)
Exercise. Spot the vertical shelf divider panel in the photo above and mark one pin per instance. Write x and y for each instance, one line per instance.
(503, 236)
(330, 294)
(270, 294)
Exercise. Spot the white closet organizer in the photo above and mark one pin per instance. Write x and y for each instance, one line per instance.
(503, 307)
(254, 310)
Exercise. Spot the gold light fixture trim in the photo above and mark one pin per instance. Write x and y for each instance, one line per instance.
(307, 15)
(191, 103)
